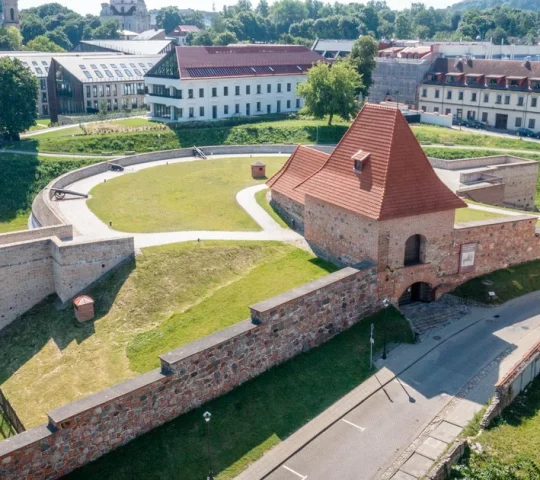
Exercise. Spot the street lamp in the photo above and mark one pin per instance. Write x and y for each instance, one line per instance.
(386, 303)
(207, 417)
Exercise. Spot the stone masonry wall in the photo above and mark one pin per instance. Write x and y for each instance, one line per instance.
(280, 328)
(490, 194)
(292, 212)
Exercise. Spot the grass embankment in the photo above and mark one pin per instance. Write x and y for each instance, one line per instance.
(173, 295)
(263, 202)
(255, 416)
(5, 430)
(23, 176)
(464, 215)
(182, 196)
(511, 446)
(509, 283)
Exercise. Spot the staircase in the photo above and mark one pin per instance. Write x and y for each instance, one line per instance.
(426, 317)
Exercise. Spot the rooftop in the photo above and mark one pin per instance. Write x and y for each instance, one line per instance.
(150, 34)
(393, 179)
(146, 47)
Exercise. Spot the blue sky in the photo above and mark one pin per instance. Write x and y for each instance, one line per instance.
(94, 6)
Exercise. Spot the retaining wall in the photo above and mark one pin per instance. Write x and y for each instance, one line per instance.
(279, 329)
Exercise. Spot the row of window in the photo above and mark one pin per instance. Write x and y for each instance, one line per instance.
(112, 104)
(164, 111)
(106, 90)
(471, 115)
(486, 97)
(160, 90)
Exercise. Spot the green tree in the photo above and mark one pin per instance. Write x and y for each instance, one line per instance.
(107, 30)
(31, 27)
(331, 90)
(60, 38)
(403, 27)
(363, 54)
(42, 44)
(169, 18)
(18, 98)
(203, 37)
(10, 39)
(287, 12)
(262, 8)
(225, 38)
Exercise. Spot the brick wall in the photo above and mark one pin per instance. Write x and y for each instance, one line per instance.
(280, 328)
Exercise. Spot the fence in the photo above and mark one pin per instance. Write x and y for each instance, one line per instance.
(9, 414)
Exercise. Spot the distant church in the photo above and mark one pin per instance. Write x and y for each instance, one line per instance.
(131, 14)
(10, 13)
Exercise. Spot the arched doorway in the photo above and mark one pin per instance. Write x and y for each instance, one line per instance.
(417, 292)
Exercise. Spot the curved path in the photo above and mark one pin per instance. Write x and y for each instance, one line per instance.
(89, 226)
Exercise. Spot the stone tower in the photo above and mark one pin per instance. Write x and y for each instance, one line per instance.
(11, 13)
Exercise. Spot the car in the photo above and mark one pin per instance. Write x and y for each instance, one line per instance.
(525, 132)
(471, 123)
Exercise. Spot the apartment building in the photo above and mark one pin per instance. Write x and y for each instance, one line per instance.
(503, 94)
(210, 83)
(80, 84)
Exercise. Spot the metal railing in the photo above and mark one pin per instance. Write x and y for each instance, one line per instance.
(9, 415)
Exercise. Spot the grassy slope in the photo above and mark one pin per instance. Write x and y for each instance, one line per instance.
(263, 202)
(471, 215)
(48, 359)
(255, 416)
(182, 196)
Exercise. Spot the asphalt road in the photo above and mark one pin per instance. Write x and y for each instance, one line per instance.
(364, 443)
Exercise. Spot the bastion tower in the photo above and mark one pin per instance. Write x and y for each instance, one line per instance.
(10, 9)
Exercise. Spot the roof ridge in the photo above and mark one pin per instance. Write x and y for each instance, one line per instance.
(283, 169)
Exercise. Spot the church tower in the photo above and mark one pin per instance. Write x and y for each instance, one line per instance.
(10, 10)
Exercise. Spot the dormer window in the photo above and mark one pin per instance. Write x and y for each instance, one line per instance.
(360, 159)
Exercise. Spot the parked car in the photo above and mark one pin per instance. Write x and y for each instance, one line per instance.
(525, 132)
(473, 124)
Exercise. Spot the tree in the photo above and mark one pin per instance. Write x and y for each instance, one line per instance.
(201, 38)
(287, 12)
(225, 38)
(331, 90)
(31, 27)
(363, 54)
(60, 38)
(10, 39)
(169, 18)
(42, 44)
(403, 27)
(18, 98)
(262, 8)
(107, 31)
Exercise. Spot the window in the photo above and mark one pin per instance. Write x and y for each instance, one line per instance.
(214, 92)
(115, 90)
(101, 91)
(248, 89)
(520, 101)
(414, 250)
(237, 90)
(288, 104)
(499, 99)
(473, 97)
(226, 109)
(448, 111)
(258, 106)
(43, 84)
(94, 90)
(43, 97)
(225, 91)
(160, 111)
(214, 111)
(92, 66)
(534, 102)
(237, 108)
(128, 73)
(437, 93)
(109, 104)
(279, 88)
(201, 111)
(358, 165)
(424, 92)
(88, 104)
(269, 88)
(115, 103)
(191, 112)
(268, 109)
(88, 91)
(436, 109)
(471, 114)
(108, 90)
(259, 88)
(518, 122)
(459, 113)
(288, 87)
(201, 92)
(424, 108)
(460, 96)
(507, 99)
(190, 93)
(248, 109)
(297, 103)
(484, 117)
(486, 97)
(532, 123)
(108, 73)
(449, 95)
(278, 108)
(87, 74)
(180, 112)
(137, 72)
(119, 73)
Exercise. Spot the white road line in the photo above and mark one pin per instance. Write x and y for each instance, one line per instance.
(354, 425)
(296, 473)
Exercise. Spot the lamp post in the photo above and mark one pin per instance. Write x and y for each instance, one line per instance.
(386, 303)
(207, 417)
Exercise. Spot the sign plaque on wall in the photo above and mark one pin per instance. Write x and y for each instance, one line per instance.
(467, 260)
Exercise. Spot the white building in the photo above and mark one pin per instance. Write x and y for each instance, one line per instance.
(503, 94)
(131, 14)
(209, 83)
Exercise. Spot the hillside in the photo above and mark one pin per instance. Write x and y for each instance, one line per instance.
(482, 4)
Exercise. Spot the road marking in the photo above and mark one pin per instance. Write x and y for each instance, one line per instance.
(303, 477)
(354, 425)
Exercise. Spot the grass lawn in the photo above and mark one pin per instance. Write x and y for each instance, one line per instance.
(199, 195)
(472, 215)
(513, 442)
(263, 202)
(48, 359)
(65, 132)
(255, 416)
(20, 222)
(508, 283)
(5, 431)
(134, 122)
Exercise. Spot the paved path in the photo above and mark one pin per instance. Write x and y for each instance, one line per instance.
(368, 434)
(89, 226)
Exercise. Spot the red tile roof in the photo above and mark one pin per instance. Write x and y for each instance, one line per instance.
(396, 180)
(245, 60)
(303, 163)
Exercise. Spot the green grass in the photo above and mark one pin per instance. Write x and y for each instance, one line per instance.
(20, 222)
(5, 430)
(255, 416)
(509, 283)
(134, 122)
(464, 215)
(48, 359)
(512, 442)
(183, 196)
(263, 202)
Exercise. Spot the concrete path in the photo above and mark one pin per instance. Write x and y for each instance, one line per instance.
(377, 429)
(89, 226)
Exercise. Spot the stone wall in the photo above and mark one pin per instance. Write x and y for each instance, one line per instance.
(484, 193)
(279, 329)
(292, 212)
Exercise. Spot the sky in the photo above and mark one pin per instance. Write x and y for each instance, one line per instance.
(94, 6)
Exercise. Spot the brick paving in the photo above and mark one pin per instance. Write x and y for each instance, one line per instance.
(427, 317)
